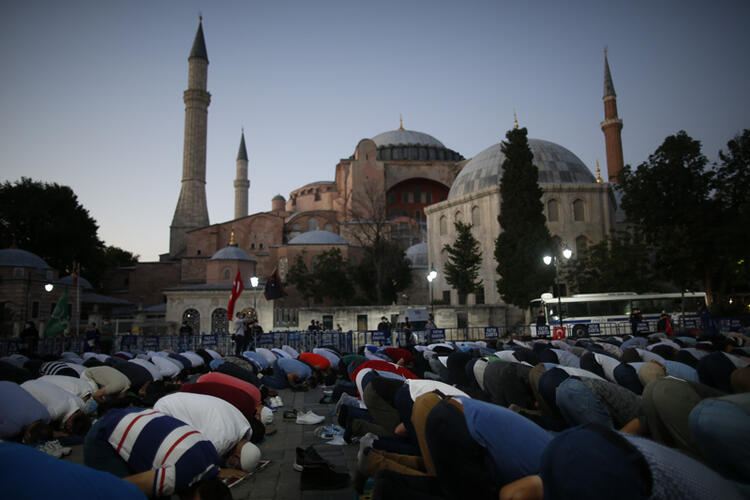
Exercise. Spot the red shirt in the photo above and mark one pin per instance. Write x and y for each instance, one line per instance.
(222, 378)
(382, 366)
(315, 360)
(396, 353)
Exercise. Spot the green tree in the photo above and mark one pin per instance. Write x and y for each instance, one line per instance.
(48, 220)
(464, 259)
(302, 279)
(620, 262)
(331, 277)
(382, 273)
(524, 237)
(668, 199)
(733, 201)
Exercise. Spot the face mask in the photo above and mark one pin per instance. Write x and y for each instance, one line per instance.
(90, 407)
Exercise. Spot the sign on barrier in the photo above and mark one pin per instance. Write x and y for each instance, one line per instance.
(437, 335)
(691, 324)
(594, 329)
(558, 332)
(490, 332)
(642, 327)
(265, 339)
(327, 339)
(151, 343)
(128, 342)
(378, 336)
(210, 341)
(293, 338)
(542, 331)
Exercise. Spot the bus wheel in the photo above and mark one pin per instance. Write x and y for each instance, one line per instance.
(579, 331)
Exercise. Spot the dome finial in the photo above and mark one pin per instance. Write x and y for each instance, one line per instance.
(200, 16)
(598, 172)
(400, 122)
(231, 239)
(515, 120)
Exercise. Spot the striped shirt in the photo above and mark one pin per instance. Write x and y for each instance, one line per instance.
(150, 440)
(57, 368)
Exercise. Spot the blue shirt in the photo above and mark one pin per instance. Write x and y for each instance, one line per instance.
(681, 370)
(289, 365)
(21, 467)
(18, 409)
(257, 359)
(514, 442)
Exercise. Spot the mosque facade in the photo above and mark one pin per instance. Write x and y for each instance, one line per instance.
(407, 179)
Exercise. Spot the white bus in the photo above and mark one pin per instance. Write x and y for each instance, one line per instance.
(608, 313)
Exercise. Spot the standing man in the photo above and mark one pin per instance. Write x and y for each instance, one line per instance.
(240, 340)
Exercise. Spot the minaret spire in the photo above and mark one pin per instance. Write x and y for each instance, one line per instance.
(598, 172)
(241, 183)
(611, 126)
(515, 119)
(400, 122)
(192, 211)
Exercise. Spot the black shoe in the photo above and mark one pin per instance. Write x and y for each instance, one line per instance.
(323, 477)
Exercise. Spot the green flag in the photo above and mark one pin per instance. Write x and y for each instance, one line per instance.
(59, 319)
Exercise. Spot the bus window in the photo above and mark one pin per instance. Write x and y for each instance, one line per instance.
(647, 306)
(600, 308)
(693, 304)
(576, 309)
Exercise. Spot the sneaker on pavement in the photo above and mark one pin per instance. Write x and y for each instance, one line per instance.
(309, 418)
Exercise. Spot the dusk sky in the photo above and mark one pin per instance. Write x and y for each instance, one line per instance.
(91, 91)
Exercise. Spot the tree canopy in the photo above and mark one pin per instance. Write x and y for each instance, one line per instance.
(620, 262)
(524, 237)
(48, 220)
(464, 259)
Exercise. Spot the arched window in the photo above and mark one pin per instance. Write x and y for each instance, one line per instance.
(475, 216)
(443, 225)
(219, 322)
(457, 216)
(581, 243)
(227, 274)
(578, 211)
(193, 319)
(328, 227)
(552, 211)
(312, 224)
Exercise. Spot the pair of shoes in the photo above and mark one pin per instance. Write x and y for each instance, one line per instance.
(326, 400)
(54, 448)
(307, 457)
(328, 431)
(290, 415)
(276, 401)
(309, 418)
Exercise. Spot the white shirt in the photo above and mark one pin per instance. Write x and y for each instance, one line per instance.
(81, 387)
(78, 368)
(291, 350)
(328, 354)
(166, 366)
(218, 421)
(608, 364)
(417, 387)
(239, 326)
(60, 403)
(268, 355)
(194, 358)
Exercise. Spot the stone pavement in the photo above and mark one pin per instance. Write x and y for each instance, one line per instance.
(279, 481)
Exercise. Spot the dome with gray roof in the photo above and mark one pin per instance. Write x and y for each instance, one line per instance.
(232, 253)
(417, 256)
(556, 165)
(15, 257)
(318, 238)
(69, 280)
(401, 144)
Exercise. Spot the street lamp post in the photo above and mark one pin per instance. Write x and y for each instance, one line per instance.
(254, 284)
(552, 259)
(430, 277)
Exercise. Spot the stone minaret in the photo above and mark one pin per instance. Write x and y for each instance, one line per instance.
(611, 126)
(241, 184)
(192, 211)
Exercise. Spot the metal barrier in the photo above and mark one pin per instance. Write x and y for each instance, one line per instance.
(349, 341)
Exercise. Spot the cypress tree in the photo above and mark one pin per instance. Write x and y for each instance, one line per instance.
(464, 258)
(524, 237)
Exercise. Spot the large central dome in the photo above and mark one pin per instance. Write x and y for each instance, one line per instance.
(404, 144)
(556, 165)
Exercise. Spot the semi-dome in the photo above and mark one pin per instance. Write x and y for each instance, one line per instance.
(417, 256)
(278, 197)
(318, 238)
(69, 280)
(232, 253)
(401, 144)
(556, 164)
(15, 257)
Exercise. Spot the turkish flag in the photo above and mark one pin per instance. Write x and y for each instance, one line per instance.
(237, 288)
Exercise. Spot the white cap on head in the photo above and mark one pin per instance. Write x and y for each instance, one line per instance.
(249, 457)
(266, 415)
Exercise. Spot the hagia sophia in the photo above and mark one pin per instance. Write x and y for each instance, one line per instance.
(409, 179)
